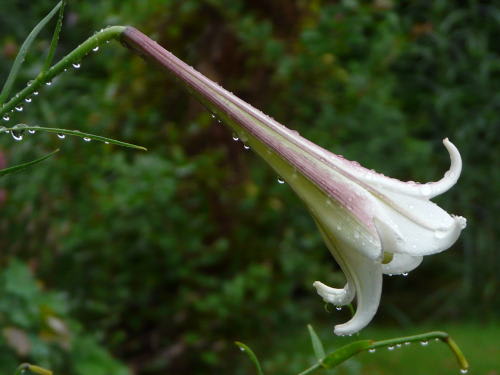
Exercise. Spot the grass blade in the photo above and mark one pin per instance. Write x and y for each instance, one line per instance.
(20, 167)
(319, 350)
(19, 129)
(251, 355)
(23, 51)
(55, 38)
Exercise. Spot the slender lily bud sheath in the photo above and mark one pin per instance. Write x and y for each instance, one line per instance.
(372, 224)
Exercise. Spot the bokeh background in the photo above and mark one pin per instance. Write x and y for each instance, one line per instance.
(122, 262)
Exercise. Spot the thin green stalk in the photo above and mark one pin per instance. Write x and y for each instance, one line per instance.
(424, 337)
(73, 57)
(23, 51)
(21, 128)
(20, 167)
(34, 369)
(55, 37)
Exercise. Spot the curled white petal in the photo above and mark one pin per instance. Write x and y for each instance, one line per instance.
(362, 273)
(450, 177)
(335, 296)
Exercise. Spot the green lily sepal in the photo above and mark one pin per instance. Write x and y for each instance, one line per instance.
(372, 224)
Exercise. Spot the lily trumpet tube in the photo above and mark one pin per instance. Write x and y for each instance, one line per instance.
(372, 224)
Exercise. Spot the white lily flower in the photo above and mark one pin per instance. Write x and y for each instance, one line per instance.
(372, 224)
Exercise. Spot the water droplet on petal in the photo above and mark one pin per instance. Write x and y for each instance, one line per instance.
(338, 308)
(77, 65)
(235, 138)
(246, 147)
(61, 136)
(398, 345)
(95, 49)
(372, 350)
(464, 371)
(19, 108)
(31, 131)
(281, 181)
(86, 139)
(106, 142)
(48, 83)
(390, 348)
(27, 100)
(426, 189)
(242, 349)
(424, 343)
(6, 118)
(405, 274)
(35, 93)
(407, 343)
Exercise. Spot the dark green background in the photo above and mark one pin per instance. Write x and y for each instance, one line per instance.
(166, 257)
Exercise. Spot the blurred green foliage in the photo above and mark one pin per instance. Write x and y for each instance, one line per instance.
(171, 255)
(36, 326)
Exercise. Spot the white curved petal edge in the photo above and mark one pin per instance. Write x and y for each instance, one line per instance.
(372, 224)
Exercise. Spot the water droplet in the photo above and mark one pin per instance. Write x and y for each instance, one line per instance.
(464, 370)
(242, 349)
(281, 181)
(212, 115)
(235, 138)
(390, 348)
(404, 274)
(437, 339)
(407, 343)
(372, 350)
(19, 108)
(426, 189)
(29, 83)
(86, 139)
(48, 83)
(390, 274)
(398, 345)
(27, 100)
(246, 147)
(61, 136)
(106, 142)
(6, 118)
(424, 343)
(17, 136)
(439, 234)
(95, 49)
(31, 131)
(338, 308)
(339, 227)
(76, 65)
(35, 93)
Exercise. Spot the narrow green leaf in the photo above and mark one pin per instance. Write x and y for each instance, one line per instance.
(32, 368)
(20, 167)
(344, 353)
(76, 133)
(319, 350)
(22, 53)
(55, 38)
(251, 355)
